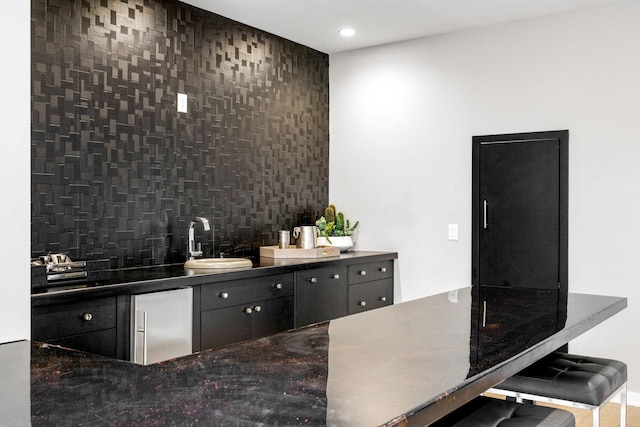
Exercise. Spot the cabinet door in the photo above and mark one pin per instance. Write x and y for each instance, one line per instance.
(271, 316)
(224, 326)
(370, 295)
(321, 294)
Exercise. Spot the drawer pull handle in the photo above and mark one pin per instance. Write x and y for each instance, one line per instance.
(87, 317)
(383, 299)
(248, 310)
(313, 280)
(279, 286)
(362, 272)
(224, 295)
(362, 303)
(257, 309)
(335, 276)
(383, 269)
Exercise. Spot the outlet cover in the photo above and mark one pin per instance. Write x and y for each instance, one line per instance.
(453, 231)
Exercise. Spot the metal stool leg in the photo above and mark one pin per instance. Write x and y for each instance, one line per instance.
(623, 406)
(596, 416)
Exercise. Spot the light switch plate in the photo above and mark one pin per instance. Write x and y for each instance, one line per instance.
(453, 231)
(182, 103)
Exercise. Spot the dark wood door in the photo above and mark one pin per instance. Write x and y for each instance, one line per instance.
(520, 210)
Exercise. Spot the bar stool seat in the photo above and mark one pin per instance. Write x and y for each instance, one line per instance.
(486, 412)
(570, 380)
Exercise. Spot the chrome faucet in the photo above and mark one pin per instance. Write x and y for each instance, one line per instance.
(193, 249)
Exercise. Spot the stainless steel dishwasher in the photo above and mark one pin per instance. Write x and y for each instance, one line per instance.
(161, 325)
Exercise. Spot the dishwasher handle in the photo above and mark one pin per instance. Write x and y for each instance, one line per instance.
(143, 331)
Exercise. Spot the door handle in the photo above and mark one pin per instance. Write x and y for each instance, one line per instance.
(484, 314)
(485, 208)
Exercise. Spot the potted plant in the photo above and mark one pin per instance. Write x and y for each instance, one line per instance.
(334, 230)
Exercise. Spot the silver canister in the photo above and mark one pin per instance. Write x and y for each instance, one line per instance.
(306, 235)
(284, 239)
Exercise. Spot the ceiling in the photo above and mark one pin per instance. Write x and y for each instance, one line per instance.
(315, 23)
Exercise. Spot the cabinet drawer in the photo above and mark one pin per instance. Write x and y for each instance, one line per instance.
(236, 292)
(370, 295)
(366, 272)
(322, 276)
(63, 320)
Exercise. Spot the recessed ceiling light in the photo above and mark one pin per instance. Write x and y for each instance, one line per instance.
(347, 32)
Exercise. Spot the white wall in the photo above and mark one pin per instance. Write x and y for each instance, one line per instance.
(402, 118)
(15, 213)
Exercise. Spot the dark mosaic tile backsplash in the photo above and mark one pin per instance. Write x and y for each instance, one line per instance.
(117, 173)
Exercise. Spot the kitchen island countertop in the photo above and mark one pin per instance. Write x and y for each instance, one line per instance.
(406, 364)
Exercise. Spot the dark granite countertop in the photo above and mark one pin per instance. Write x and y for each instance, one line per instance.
(405, 364)
(162, 277)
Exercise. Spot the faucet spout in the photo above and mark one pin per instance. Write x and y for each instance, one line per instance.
(194, 249)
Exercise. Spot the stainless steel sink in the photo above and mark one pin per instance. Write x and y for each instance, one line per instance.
(217, 263)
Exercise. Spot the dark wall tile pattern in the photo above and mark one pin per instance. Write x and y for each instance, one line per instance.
(118, 173)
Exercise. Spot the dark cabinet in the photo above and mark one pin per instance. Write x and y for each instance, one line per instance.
(87, 325)
(242, 322)
(263, 302)
(321, 294)
(330, 292)
(239, 310)
(370, 286)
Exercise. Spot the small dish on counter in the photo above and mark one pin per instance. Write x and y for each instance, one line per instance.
(218, 263)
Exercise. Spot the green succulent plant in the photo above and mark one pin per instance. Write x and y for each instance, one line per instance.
(333, 224)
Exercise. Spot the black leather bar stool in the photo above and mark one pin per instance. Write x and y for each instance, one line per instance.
(486, 412)
(570, 380)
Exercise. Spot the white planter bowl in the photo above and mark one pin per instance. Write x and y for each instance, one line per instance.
(343, 242)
